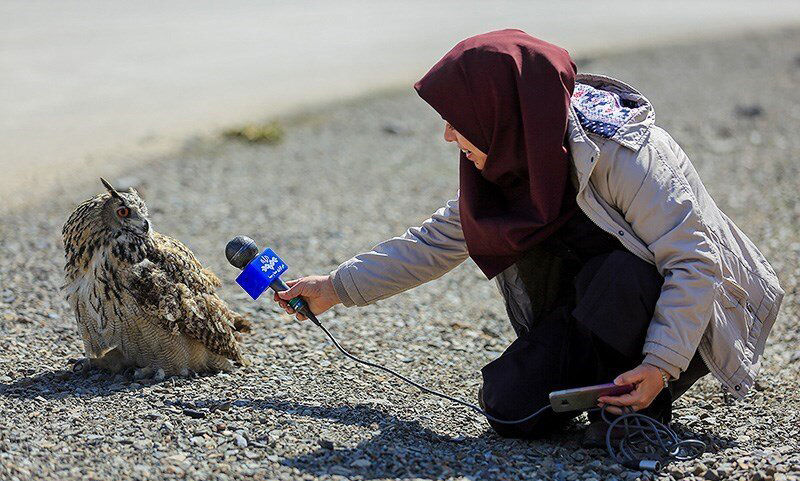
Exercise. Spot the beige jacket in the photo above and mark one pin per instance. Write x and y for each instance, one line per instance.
(720, 295)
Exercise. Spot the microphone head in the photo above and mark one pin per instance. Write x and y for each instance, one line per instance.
(240, 251)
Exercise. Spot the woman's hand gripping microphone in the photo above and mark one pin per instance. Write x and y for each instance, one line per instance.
(317, 291)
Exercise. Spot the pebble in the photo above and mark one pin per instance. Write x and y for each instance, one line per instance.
(193, 413)
(749, 111)
(239, 440)
(340, 470)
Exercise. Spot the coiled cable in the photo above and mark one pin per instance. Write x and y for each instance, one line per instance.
(646, 443)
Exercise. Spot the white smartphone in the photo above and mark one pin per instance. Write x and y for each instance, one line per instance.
(583, 398)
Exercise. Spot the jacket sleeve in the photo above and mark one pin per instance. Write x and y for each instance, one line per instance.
(665, 212)
(420, 255)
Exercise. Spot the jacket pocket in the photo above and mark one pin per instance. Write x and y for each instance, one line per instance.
(738, 313)
(733, 295)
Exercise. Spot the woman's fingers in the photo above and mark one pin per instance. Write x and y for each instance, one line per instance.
(614, 404)
(630, 377)
(284, 305)
(612, 409)
(317, 291)
(295, 289)
(648, 382)
(630, 399)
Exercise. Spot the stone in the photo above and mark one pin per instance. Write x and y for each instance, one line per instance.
(193, 413)
(340, 470)
(700, 469)
(239, 440)
(749, 111)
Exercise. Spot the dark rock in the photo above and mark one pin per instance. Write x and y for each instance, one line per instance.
(700, 469)
(193, 413)
(749, 111)
(340, 470)
(395, 129)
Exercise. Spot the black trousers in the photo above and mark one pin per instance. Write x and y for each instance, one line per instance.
(590, 341)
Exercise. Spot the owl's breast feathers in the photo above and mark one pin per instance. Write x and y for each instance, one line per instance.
(179, 294)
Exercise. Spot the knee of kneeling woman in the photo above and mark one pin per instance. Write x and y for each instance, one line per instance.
(540, 426)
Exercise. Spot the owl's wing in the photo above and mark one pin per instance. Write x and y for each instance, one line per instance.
(180, 264)
(177, 293)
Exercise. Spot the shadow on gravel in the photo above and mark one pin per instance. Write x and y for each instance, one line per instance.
(65, 383)
(405, 449)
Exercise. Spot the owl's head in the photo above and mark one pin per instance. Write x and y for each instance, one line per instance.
(124, 213)
(115, 220)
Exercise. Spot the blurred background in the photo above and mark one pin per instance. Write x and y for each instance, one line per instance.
(97, 84)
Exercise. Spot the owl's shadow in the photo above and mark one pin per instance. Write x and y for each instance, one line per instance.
(65, 383)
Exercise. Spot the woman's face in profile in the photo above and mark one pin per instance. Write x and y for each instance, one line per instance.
(473, 153)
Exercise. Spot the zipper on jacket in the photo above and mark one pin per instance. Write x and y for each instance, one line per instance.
(700, 351)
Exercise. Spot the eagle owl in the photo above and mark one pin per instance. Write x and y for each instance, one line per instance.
(142, 299)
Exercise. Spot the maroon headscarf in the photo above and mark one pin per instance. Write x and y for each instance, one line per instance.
(508, 93)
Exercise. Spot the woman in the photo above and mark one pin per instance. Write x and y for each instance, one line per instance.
(614, 261)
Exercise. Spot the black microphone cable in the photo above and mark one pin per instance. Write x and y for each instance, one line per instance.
(417, 385)
(646, 444)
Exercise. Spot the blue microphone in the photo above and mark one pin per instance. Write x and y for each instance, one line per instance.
(261, 271)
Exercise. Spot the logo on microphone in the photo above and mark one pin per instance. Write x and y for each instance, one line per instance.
(268, 264)
(271, 265)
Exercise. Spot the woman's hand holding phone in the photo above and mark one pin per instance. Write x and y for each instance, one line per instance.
(647, 383)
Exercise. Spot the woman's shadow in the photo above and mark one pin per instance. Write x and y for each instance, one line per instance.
(405, 449)
(397, 448)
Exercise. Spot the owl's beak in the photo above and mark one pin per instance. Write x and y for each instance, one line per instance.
(111, 190)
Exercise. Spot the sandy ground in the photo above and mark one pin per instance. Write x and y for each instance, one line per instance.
(97, 86)
(346, 177)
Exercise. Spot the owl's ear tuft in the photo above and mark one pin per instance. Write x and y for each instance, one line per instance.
(111, 190)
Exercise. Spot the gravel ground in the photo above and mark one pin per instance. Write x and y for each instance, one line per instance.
(346, 177)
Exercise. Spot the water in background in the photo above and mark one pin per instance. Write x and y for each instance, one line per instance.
(88, 83)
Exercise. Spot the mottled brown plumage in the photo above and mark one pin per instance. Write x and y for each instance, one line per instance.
(142, 299)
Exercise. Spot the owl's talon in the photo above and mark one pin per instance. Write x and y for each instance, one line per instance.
(159, 375)
(143, 373)
(82, 366)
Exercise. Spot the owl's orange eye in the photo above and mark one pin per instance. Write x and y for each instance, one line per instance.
(123, 212)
